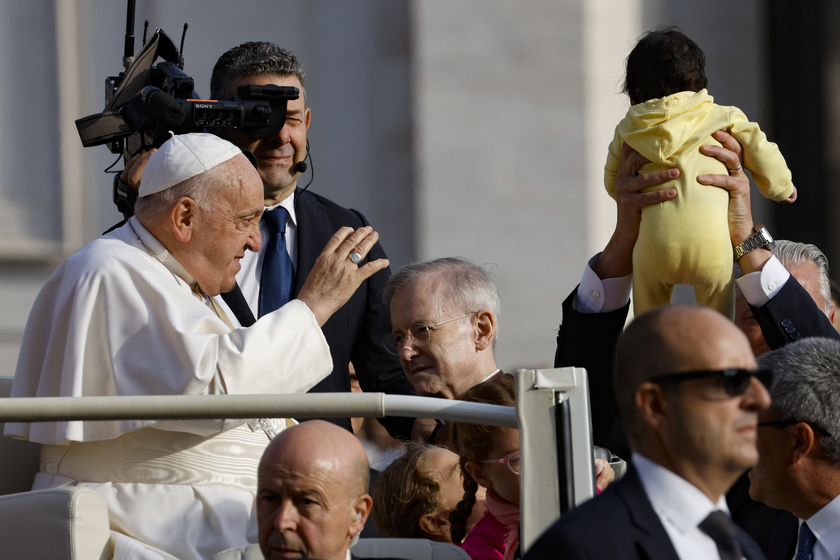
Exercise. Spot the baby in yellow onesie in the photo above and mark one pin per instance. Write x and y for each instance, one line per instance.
(686, 240)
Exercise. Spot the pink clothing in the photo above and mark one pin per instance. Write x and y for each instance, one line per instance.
(486, 541)
(496, 535)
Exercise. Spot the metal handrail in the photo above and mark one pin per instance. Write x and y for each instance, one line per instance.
(196, 407)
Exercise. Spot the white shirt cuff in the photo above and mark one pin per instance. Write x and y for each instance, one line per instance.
(601, 296)
(761, 286)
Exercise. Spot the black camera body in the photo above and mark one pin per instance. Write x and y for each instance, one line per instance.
(148, 103)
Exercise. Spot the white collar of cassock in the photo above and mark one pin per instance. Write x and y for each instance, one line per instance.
(160, 252)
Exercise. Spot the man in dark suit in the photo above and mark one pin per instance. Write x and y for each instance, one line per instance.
(686, 391)
(799, 453)
(595, 313)
(355, 332)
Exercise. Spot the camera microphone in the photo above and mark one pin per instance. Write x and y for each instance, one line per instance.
(163, 107)
(301, 167)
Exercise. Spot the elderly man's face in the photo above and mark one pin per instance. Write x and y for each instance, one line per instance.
(303, 512)
(226, 229)
(278, 154)
(442, 367)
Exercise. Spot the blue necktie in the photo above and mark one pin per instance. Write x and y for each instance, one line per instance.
(806, 543)
(278, 275)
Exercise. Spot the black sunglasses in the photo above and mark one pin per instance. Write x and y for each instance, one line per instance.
(791, 421)
(736, 381)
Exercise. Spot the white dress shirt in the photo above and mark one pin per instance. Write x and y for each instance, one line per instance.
(825, 524)
(681, 507)
(252, 263)
(600, 296)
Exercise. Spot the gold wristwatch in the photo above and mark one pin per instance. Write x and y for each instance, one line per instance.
(761, 238)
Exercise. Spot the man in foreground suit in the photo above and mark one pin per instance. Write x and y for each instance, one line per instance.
(685, 383)
(355, 332)
(799, 453)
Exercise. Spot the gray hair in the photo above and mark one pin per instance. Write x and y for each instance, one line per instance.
(806, 386)
(793, 253)
(255, 58)
(469, 286)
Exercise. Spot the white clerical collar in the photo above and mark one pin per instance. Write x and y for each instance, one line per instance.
(825, 524)
(150, 244)
(489, 377)
(685, 505)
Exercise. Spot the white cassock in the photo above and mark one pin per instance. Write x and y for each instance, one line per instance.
(114, 320)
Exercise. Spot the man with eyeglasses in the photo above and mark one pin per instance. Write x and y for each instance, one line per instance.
(444, 316)
(689, 393)
(798, 468)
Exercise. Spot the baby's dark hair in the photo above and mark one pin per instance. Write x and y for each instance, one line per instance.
(663, 62)
(473, 441)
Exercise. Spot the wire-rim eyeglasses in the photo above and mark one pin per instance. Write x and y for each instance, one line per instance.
(419, 334)
(511, 460)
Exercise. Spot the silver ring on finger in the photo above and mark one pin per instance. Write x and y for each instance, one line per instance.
(355, 258)
(731, 171)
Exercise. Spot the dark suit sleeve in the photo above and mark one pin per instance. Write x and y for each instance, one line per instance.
(790, 315)
(560, 543)
(588, 340)
(377, 370)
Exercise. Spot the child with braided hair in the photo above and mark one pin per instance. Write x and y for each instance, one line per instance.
(489, 456)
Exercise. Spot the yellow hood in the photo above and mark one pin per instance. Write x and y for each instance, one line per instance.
(659, 127)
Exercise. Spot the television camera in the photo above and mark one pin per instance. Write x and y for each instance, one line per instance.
(147, 103)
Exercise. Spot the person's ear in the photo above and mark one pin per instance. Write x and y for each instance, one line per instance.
(831, 311)
(804, 440)
(359, 511)
(652, 405)
(307, 117)
(485, 331)
(435, 526)
(478, 473)
(182, 218)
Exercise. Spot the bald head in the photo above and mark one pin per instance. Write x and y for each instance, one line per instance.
(312, 492)
(320, 445)
(686, 387)
(672, 339)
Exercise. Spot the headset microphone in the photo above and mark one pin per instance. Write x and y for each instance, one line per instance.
(301, 167)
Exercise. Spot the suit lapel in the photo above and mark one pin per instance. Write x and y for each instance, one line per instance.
(236, 302)
(313, 232)
(782, 543)
(652, 541)
(749, 548)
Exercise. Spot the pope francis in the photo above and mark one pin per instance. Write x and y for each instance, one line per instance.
(134, 313)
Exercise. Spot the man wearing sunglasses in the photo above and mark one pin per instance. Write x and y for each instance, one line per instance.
(689, 393)
(799, 450)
